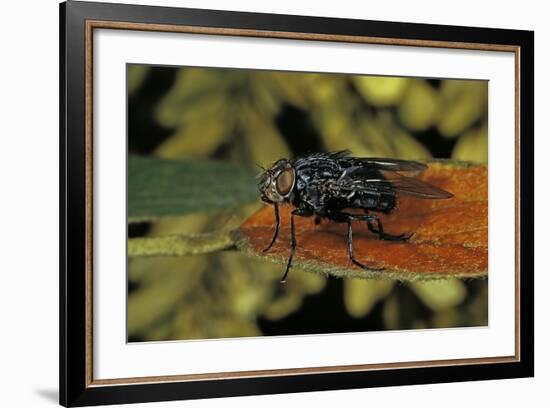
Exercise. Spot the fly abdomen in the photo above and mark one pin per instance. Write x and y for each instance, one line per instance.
(376, 201)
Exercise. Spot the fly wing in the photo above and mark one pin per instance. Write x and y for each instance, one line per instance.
(390, 164)
(379, 163)
(339, 154)
(412, 186)
(381, 174)
(379, 180)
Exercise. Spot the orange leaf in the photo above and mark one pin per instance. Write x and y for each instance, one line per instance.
(450, 236)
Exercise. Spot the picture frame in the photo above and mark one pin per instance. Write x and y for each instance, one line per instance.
(79, 21)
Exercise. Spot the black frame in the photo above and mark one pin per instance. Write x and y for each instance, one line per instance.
(73, 389)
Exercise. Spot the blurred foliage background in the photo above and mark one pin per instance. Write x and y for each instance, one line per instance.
(249, 117)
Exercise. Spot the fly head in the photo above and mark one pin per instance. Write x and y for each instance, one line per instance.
(276, 183)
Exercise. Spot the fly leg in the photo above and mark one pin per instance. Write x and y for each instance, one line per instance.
(278, 223)
(380, 230)
(301, 212)
(349, 218)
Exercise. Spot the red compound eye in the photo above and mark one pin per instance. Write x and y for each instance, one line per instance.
(285, 182)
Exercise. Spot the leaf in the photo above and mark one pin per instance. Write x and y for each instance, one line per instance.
(159, 188)
(193, 87)
(473, 146)
(264, 142)
(381, 91)
(361, 295)
(180, 244)
(440, 295)
(419, 107)
(463, 103)
(185, 144)
(136, 74)
(450, 236)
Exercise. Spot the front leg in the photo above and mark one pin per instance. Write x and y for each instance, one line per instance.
(303, 212)
(277, 225)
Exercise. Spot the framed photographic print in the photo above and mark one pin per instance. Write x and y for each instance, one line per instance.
(256, 203)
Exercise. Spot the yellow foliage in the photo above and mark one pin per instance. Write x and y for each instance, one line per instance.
(391, 313)
(135, 75)
(472, 146)
(440, 295)
(194, 141)
(420, 106)
(381, 91)
(263, 142)
(463, 103)
(360, 295)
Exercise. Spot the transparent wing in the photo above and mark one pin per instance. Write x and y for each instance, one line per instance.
(339, 154)
(412, 186)
(379, 163)
(390, 164)
(398, 183)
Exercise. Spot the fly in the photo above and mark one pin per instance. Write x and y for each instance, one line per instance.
(328, 185)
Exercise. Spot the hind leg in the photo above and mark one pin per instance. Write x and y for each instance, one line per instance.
(372, 219)
(349, 218)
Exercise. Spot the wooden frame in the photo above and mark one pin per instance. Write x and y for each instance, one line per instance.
(77, 22)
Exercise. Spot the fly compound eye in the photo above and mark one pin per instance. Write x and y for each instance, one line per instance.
(285, 182)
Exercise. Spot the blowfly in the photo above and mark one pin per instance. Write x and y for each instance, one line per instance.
(329, 185)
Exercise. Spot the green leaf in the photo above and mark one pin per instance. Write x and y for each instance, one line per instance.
(159, 188)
